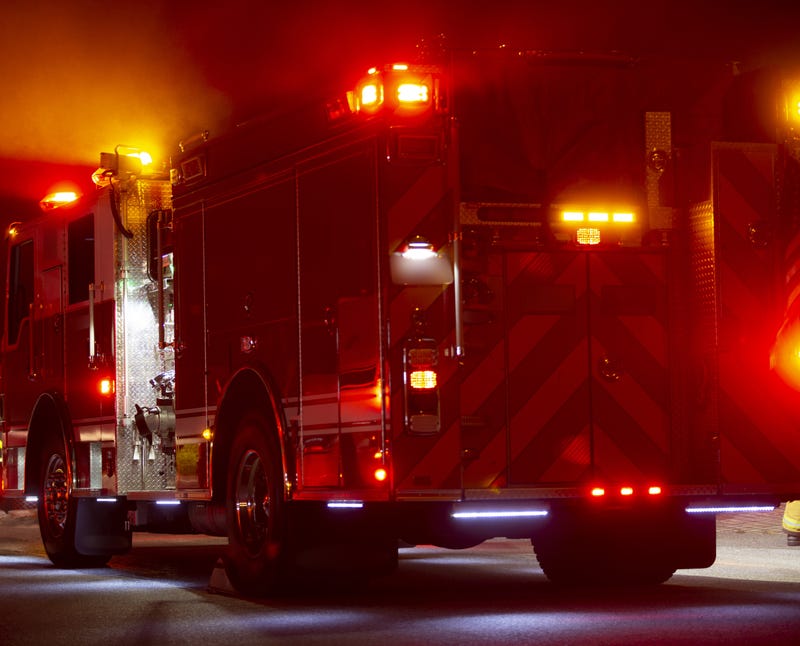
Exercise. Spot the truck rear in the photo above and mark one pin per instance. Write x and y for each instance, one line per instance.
(517, 294)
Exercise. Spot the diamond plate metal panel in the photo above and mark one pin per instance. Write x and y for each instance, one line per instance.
(142, 463)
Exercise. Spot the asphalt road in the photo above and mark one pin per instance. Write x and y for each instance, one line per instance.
(492, 594)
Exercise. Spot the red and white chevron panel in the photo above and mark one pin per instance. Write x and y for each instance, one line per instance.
(759, 419)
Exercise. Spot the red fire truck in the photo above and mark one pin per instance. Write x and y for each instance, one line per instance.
(517, 294)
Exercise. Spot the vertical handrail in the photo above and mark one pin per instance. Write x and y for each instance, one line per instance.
(92, 353)
(31, 351)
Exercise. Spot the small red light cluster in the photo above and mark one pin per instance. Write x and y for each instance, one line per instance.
(627, 491)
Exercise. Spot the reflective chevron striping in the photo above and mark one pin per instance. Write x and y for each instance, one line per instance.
(535, 399)
(759, 422)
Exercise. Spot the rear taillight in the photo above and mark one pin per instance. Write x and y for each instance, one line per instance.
(421, 383)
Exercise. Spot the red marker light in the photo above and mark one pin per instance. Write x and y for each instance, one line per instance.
(106, 387)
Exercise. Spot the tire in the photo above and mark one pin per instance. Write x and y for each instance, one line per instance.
(256, 562)
(57, 509)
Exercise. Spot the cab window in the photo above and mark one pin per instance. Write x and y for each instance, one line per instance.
(80, 257)
(20, 287)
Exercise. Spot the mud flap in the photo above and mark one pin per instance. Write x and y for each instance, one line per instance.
(694, 542)
(101, 528)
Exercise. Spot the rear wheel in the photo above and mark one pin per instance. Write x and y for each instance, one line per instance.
(256, 512)
(57, 509)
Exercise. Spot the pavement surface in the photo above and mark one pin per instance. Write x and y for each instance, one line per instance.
(762, 522)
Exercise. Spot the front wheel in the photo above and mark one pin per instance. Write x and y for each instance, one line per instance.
(58, 509)
(256, 512)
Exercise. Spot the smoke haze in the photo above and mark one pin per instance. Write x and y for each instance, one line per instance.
(81, 76)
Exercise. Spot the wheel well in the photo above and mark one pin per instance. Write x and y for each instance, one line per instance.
(247, 390)
(49, 416)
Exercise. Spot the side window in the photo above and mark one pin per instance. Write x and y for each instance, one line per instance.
(20, 287)
(80, 257)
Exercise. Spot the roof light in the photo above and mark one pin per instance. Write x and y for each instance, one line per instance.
(57, 199)
(598, 216)
(598, 492)
(413, 93)
(572, 216)
(626, 491)
(13, 230)
(655, 490)
(144, 157)
(371, 95)
(400, 89)
(622, 217)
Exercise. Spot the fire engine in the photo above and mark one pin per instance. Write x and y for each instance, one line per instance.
(513, 294)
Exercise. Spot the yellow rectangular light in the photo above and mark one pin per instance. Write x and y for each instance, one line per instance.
(622, 217)
(598, 216)
(572, 216)
(423, 379)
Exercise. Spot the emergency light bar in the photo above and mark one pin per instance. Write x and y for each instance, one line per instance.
(593, 226)
(597, 216)
(402, 89)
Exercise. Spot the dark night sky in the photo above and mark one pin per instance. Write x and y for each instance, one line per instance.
(82, 76)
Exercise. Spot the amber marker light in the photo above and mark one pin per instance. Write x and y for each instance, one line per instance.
(587, 236)
(423, 379)
(380, 474)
